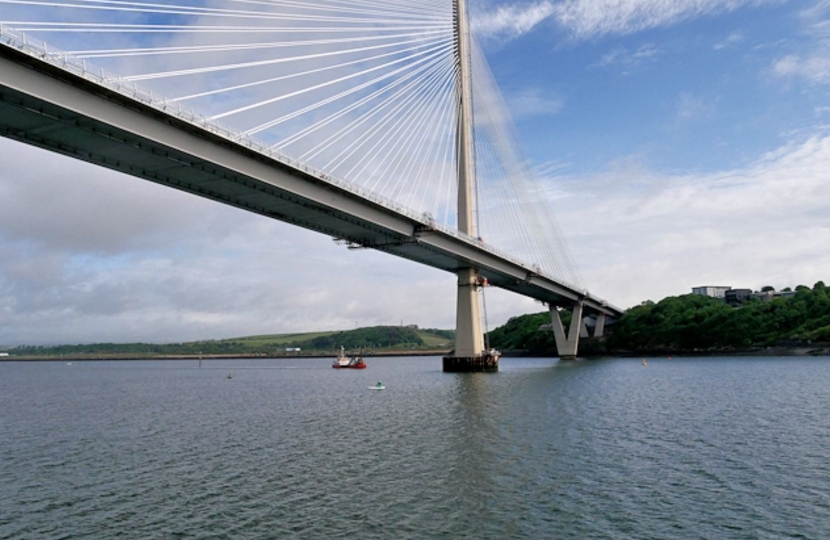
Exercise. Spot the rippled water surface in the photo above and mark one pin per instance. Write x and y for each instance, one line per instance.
(684, 448)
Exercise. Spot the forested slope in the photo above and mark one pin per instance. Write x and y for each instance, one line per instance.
(690, 323)
(698, 322)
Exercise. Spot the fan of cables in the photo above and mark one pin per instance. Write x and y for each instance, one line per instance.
(365, 91)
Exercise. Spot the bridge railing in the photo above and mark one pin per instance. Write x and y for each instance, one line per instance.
(41, 50)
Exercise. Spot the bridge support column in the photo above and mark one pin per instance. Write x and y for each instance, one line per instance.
(469, 338)
(469, 353)
(599, 329)
(583, 329)
(567, 345)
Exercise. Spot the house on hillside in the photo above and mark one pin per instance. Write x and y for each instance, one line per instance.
(736, 296)
(714, 291)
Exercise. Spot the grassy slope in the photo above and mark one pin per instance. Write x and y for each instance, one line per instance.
(378, 339)
(430, 340)
(435, 341)
(276, 339)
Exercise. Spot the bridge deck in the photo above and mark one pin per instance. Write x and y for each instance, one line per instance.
(47, 106)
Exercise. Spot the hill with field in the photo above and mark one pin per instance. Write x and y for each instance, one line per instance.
(371, 340)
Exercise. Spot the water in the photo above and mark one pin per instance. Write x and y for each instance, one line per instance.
(683, 448)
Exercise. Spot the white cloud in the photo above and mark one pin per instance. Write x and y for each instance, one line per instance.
(551, 168)
(585, 19)
(814, 68)
(733, 39)
(639, 234)
(512, 20)
(627, 59)
(119, 218)
(816, 11)
(532, 102)
(690, 107)
(786, 66)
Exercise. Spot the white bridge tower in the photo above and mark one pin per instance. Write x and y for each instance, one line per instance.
(469, 353)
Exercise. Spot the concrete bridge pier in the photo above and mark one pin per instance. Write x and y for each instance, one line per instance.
(583, 328)
(599, 329)
(469, 353)
(567, 345)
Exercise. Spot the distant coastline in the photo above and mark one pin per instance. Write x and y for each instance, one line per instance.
(817, 350)
(227, 356)
(820, 350)
(795, 324)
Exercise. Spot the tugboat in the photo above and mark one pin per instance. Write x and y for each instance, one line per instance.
(348, 362)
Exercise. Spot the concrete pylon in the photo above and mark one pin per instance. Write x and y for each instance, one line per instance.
(599, 329)
(469, 354)
(469, 338)
(567, 345)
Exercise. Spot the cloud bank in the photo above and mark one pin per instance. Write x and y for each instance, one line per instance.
(586, 19)
(812, 68)
(513, 20)
(652, 235)
(89, 255)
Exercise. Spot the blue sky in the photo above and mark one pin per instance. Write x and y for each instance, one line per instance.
(698, 94)
(682, 142)
(693, 134)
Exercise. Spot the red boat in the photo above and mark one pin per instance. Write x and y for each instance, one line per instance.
(348, 362)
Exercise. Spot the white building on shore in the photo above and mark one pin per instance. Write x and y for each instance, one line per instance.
(715, 291)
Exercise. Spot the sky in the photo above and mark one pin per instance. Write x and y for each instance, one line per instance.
(683, 142)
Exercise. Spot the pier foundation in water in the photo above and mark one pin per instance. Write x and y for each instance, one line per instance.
(469, 364)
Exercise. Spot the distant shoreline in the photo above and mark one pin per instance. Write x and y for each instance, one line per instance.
(228, 356)
(823, 350)
(817, 350)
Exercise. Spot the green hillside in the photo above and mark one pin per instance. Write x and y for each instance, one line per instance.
(689, 323)
(698, 322)
(373, 339)
(522, 333)
(681, 323)
(279, 340)
(376, 337)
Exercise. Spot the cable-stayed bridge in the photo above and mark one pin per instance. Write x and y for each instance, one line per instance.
(376, 122)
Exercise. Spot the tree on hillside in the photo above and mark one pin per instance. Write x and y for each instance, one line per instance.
(363, 338)
(696, 322)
